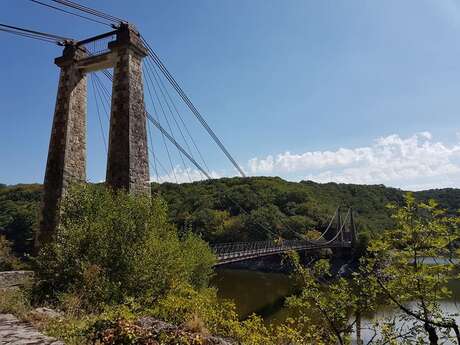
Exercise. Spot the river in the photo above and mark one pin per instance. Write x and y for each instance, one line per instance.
(263, 293)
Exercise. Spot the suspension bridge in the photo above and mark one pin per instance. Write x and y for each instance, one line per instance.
(123, 58)
(343, 235)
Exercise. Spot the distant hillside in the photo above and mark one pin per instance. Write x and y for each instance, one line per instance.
(211, 207)
(237, 209)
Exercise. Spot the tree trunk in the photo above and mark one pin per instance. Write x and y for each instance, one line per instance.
(457, 332)
(358, 328)
(432, 335)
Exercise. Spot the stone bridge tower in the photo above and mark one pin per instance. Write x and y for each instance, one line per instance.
(127, 162)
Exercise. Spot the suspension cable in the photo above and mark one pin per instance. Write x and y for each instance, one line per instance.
(107, 96)
(157, 79)
(69, 12)
(42, 36)
(164, 90)
(152, 55)
(330, 223)
(89, 10)
(155, 167)
(197, 165)
(155, 112)
(21, 34)
(341, 228)
(110, 77)
(179, 115)
(98, 113)
(165, 117)
(38, 33)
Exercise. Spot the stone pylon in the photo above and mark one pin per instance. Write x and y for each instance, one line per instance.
(67, 149)
(127, 162)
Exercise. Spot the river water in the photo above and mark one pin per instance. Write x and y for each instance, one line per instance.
(264, 293)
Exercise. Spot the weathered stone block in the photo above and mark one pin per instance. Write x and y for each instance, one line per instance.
(16, 279)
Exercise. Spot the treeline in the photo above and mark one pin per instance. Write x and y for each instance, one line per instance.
(239, 209)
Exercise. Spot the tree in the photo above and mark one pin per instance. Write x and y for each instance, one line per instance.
(328, 308)
(399, 269)
(395, 270)
(111, 246)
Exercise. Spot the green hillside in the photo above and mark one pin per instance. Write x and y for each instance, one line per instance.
(237, 209)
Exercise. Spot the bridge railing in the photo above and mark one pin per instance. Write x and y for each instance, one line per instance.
(247, 248)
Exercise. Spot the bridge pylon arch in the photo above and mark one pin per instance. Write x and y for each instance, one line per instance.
(127, 161)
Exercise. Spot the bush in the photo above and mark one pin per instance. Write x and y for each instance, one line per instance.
(14, 301)
(112, 245)
(8, 261)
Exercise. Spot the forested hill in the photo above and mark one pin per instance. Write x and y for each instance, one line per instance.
(232, 209)
(237, 209)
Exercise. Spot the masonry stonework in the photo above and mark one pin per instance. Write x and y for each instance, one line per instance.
(127, 163)
(67, 150)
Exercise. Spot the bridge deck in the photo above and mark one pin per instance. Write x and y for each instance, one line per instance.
(240, 251)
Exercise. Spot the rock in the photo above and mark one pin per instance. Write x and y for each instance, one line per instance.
(47, 312)
(156, 327)
(15, 332)
(14, 279)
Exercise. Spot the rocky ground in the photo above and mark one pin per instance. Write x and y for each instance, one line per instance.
(12, 330)
(15, 332)
(148, 330)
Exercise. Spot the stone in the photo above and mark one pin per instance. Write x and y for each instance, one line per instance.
(156, 327)
(47, 313)
(16, 279)
(15, 332)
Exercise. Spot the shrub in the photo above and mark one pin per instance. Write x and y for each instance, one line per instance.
(14, 301)
(112, 245)
(7, 260)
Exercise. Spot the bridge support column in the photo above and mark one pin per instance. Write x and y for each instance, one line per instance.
(354, 235)
(127, 163)
(339, 223)
(67, 149)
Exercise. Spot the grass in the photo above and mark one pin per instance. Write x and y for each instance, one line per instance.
(14, 301)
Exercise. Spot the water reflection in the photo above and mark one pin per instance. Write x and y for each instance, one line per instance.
(264, 294)
(254, 292)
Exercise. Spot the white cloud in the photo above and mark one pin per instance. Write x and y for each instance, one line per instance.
(415, 162)
(181, 175)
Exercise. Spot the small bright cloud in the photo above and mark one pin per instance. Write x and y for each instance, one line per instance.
(181, 175)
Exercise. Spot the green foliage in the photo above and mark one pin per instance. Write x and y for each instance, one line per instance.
(400, 270)
(8, 261)
(396, 270)
(120, 255)
(14, 301)
(19, 215)
(111, 246)
(323, 307)
(210, 208)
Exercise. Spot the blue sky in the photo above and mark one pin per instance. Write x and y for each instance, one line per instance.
(347, 91)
